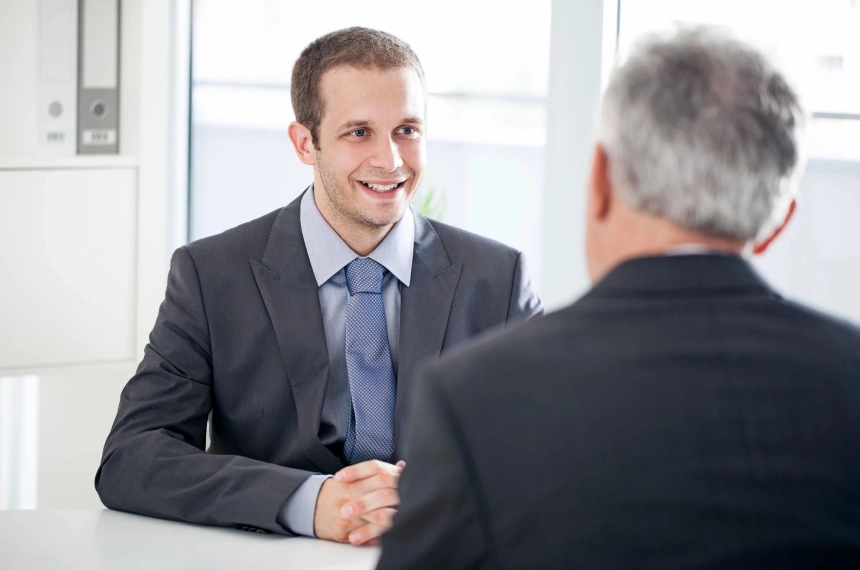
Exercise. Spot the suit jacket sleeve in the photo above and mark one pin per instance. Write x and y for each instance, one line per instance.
(524, 302)
(154, 461)
(438, 523)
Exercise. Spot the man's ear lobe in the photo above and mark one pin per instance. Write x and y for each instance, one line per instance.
(761, 247)
(601, 185)
(303, 144)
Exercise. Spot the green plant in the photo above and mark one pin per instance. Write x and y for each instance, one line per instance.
(430, 201)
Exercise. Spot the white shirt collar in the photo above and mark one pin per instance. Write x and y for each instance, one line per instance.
(691, 249)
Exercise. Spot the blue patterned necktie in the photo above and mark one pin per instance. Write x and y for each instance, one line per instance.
(372, 384)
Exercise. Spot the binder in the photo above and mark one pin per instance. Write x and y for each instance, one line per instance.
(98, 92)
(57, 78)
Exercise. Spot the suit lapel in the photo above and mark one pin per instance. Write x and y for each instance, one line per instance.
(287, 285)
(424, 307)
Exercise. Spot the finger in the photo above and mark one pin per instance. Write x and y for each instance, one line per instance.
(400, 464)
(377, 499)
(346, 527)
(365, 534)
(364, 470)
(363, 487)
(380, 517)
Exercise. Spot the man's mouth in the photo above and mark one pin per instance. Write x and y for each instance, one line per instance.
(383, 187)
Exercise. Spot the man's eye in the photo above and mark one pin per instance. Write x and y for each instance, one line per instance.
(358, 133)
(408, 130)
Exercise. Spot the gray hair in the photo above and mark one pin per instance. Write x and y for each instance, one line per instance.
(701, 130)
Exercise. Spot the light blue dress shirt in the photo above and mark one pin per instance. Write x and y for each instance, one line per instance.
(329, 255)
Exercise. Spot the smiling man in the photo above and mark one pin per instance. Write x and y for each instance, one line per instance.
(295, 337)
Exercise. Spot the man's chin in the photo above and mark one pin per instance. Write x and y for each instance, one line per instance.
(382, 215)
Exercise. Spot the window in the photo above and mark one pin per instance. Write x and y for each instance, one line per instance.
(816, 44)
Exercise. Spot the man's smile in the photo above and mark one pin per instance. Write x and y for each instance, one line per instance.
(382, 187)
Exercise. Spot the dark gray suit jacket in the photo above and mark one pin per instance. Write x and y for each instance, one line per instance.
(239, 341)
(680, 415)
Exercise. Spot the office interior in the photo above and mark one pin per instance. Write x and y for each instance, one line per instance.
(203, 106)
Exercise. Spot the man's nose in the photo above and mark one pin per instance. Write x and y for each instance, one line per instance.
(386, 156)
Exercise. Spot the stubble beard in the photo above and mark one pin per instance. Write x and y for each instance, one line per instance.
(342, 209)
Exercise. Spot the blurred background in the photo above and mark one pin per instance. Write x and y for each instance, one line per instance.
(203, 109)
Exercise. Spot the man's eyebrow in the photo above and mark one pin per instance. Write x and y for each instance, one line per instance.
(363, 123)
(354, 124)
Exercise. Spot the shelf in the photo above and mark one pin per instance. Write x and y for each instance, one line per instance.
(21, 162)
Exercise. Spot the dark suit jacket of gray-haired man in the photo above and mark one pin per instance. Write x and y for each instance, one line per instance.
(679, 415)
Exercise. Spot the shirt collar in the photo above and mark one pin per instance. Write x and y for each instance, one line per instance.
(329, 254)
(692, 249)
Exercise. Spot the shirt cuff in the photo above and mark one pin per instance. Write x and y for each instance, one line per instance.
(297, 514)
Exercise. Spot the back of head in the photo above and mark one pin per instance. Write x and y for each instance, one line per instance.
(363, 48)
(701, 130)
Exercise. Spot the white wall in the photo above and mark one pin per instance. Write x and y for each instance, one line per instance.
(579, 57)
(76, 224)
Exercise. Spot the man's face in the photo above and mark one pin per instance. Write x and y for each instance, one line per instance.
(371, 151)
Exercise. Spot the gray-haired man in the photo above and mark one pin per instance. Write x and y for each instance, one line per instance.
(681, 414)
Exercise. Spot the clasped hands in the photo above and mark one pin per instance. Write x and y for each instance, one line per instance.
(358, 503)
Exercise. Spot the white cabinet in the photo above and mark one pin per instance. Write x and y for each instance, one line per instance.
(67, 265)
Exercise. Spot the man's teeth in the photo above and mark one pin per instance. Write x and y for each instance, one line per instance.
(381, 187)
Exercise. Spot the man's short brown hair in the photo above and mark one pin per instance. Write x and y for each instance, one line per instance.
(362, 48)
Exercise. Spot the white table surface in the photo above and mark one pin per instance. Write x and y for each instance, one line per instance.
(103, 539)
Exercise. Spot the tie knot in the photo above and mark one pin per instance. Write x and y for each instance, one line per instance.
(363, 275)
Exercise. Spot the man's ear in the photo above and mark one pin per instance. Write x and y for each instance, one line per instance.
(300, 136)
(599, 185)
(761, 247)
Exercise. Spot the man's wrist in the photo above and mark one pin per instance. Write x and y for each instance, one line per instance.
(297, 512)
